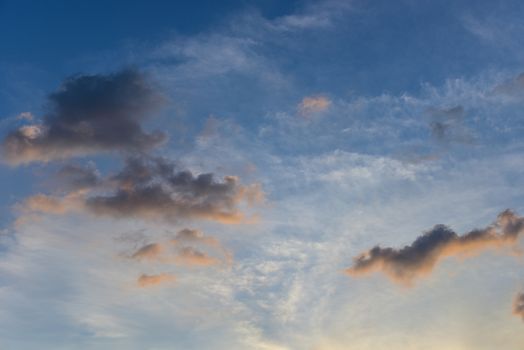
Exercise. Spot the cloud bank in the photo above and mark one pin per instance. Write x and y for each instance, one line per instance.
(420, 258)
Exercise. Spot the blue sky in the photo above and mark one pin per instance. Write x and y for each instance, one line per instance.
(261, 175)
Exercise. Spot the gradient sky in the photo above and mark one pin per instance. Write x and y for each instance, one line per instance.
(318, 175)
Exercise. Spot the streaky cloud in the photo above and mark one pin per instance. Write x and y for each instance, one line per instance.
(420, 258)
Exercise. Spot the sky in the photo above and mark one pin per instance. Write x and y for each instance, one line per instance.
(266, 175)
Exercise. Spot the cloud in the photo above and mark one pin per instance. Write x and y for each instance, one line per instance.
(313, 104)
(153, 280)
(184, 249)
(447, 125)
(83, 117)
(420, 258)
(512, 88)
(77, 177)
(194, 257)
(53, 204)
(148, 252)
(194, 236)
(25, 116)
(150, 188)
(518, 305)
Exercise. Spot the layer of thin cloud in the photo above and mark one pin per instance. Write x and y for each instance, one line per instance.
(145, 280)
(84, 114)
(420, 258)
(313, 104)
(518, 305)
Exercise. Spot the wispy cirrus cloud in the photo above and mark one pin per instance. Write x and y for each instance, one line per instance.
(82, 117)
(420, 258)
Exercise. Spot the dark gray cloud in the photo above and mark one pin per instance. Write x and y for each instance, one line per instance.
(419, 259)
(151, 188)
(518, 305)
(89, 114)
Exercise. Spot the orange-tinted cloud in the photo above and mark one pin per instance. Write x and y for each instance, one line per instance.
(148, 252)
(518, 305)
(420, 258)
(54, 205)
(193, 257)
(313, 104)
(194, 236)
(153, 280)
(189, 247)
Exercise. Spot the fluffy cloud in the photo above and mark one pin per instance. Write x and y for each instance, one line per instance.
(518, 305)
(151, 189)
(420, 258)
(153, 280)
(83, 116)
